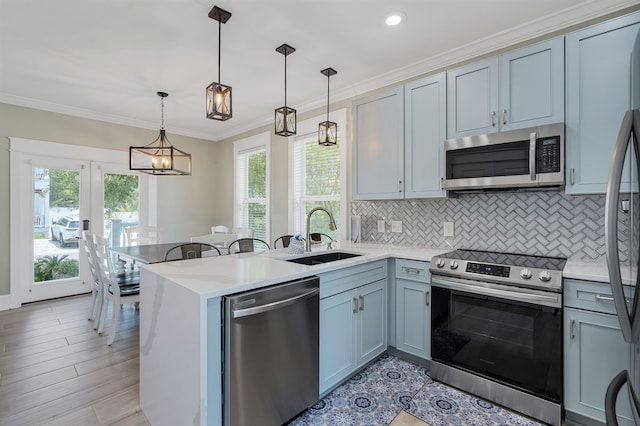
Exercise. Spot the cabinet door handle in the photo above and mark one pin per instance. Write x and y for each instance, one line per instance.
(504, 117)
(572, 335)
(601, 298)
(399, 186)
(493, 119)
(413, 271)
(571, 175)
(355, 305)
(361, 302)
(426, 299)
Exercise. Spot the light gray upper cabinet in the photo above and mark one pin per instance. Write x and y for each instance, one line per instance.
(378, 148)
(425, 109)
(599, 90)
(398, 142)
(517, 89)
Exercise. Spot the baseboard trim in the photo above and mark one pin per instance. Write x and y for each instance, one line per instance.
(5, 302)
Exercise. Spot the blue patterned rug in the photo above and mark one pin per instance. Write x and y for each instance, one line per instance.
(377, 394)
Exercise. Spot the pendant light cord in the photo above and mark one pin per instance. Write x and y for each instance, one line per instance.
(162, 113)
(328, 78)
(285, 83)
(219, 36)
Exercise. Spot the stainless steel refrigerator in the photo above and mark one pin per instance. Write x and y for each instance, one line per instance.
(622, 238)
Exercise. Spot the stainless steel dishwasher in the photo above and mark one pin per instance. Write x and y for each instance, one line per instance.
(271, 353)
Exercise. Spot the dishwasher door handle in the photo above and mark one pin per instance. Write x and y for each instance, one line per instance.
(238, 313)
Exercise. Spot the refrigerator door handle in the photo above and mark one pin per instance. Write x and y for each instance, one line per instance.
(611, 397)
(629, 321)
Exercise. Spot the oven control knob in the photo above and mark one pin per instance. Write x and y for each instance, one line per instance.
(453, 264)
(545, 276)
(440, 263)
(525, 273)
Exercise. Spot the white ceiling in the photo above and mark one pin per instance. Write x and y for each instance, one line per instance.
(106, 59)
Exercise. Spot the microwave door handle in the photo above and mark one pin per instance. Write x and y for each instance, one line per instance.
(611, 226)
(532, 155)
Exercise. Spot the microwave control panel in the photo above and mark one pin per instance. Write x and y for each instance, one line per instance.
(549, 155)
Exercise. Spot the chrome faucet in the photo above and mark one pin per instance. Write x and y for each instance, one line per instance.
(332, 223)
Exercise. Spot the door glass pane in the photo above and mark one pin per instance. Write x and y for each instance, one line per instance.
(121, 205)
(56, 225)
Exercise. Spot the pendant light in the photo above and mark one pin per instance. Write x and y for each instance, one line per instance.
(328, 130)
(286, 120)
(219, 95)
(160, 157)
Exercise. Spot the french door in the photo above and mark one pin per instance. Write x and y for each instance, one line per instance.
(53, 199)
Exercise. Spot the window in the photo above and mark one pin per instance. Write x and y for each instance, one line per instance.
(251, 206)
(317, 177)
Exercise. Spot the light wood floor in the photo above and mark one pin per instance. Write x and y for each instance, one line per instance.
(55, 369)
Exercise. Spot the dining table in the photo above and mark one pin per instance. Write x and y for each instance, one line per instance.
(149, 253)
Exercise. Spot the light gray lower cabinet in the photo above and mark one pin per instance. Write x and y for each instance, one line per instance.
(413, 308)
(353, 320)
(594, 350)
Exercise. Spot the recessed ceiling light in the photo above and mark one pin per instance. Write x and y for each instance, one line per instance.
(395, 18)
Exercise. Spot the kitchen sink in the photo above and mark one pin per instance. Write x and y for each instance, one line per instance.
(318, 259)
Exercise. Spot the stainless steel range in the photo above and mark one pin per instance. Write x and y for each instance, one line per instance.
(496, 328)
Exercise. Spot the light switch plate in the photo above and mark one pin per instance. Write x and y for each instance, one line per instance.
(381, 226)
(448, 229)
(396, 226)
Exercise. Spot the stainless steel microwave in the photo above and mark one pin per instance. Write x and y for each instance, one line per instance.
(523, 158)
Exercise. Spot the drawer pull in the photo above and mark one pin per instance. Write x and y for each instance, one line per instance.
(426, 299)
(572, 335)
(413, 271)
(601, 298)
(361, 302)
(355, 305)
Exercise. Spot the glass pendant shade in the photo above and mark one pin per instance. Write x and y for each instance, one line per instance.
(219, 101)
(218, 96)
(328, 133)
(160, 157)
(328, 130)
(286, 119)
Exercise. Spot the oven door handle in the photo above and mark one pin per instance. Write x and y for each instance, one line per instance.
(552, 300)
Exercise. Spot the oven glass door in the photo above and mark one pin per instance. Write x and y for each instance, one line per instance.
(517, 344)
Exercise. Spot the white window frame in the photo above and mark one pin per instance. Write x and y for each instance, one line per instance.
(244, 146)
(310, 127)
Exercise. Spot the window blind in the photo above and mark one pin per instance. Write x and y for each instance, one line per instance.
(315, 182)
(251, 191)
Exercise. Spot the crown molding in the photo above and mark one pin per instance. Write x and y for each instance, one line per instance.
(94, 115)
(549, 24)
(558, 21)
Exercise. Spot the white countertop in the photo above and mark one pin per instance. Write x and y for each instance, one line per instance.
(222, 275)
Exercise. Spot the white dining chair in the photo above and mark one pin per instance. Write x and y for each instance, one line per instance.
(114, 291)
(243, 232)
(95, 309)
(219, 229)
(142, 235)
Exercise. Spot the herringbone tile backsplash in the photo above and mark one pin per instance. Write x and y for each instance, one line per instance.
(545, 223)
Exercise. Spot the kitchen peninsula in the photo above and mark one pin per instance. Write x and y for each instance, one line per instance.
(181, 320)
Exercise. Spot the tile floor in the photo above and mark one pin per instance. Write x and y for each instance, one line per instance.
(395, 392)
